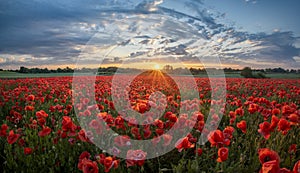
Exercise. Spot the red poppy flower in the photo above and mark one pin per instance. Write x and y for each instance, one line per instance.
(183, 143)
(227, 132)
(147, 132)
(239, 111)
(159, 123)
(276, 111)
(3, 130)
(252, 108)
(27, 150)
(232, 116)
(222, 154)
(283, 126)
(135, 157)
(167, 139)
(296, 168)
(30, 97)
(173, 118)
(29, 108)
(199, 116)
(135, 132)
(274, 122)
(293, 148)
(167, 115)
(216, 138)
(159, 131)
(83, 155)
(199, 151)
(41, 121)
(46, 131)
(265, 129)
(82, 136)
(284, 170)
(122, 141)
(67, 124)
(12, 137)
(41, 114)
(294, 118)
(87, 113)
(270, 167)
(266, 155)
(200, 125)
(21, 142)
(88, 166)
(119, 122)
(192, 139)
(143, 107)
(286, 109)
(108, 162)
(242, 125)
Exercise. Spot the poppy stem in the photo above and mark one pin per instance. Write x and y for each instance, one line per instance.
(222, 166)
(158, 163)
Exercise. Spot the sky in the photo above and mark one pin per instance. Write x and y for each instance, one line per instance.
(144, 33)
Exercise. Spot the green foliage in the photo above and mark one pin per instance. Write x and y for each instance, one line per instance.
(260, 75)
(247, 72)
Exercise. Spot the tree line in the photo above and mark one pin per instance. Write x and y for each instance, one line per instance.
(246, 72)
(23, 69)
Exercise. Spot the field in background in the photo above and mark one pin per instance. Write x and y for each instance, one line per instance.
(5, 74)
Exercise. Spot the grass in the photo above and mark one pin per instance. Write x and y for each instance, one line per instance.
(284, 75)
(6, 74)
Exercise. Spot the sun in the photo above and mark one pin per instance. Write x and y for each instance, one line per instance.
(156, 66)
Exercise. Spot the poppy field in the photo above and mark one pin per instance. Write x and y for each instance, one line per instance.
(258, 129)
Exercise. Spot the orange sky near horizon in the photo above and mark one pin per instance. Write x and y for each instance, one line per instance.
(150, 65)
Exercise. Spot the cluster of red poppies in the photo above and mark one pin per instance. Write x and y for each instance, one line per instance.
(38, 118)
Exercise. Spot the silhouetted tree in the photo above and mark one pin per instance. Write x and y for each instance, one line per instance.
(23, 70)
(247, 72)
(168, 68)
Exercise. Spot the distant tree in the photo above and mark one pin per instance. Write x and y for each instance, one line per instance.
(23, 70)
(276, 70)
(45, 70)
(193, 71)
(247, 72)
(228, 70)
(59, 70)
(279, 70)
(34, 70)
(260, 75)
(168, 68)
(112, 69)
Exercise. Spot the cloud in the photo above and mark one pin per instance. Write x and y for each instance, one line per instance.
(251, 1)
(10, 60)
(297, 59)
(2, 60)
(57, 32)
(177, 50)
(149, 6)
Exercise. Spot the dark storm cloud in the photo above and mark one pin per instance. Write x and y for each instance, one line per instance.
(54, 32)
(41, 28)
